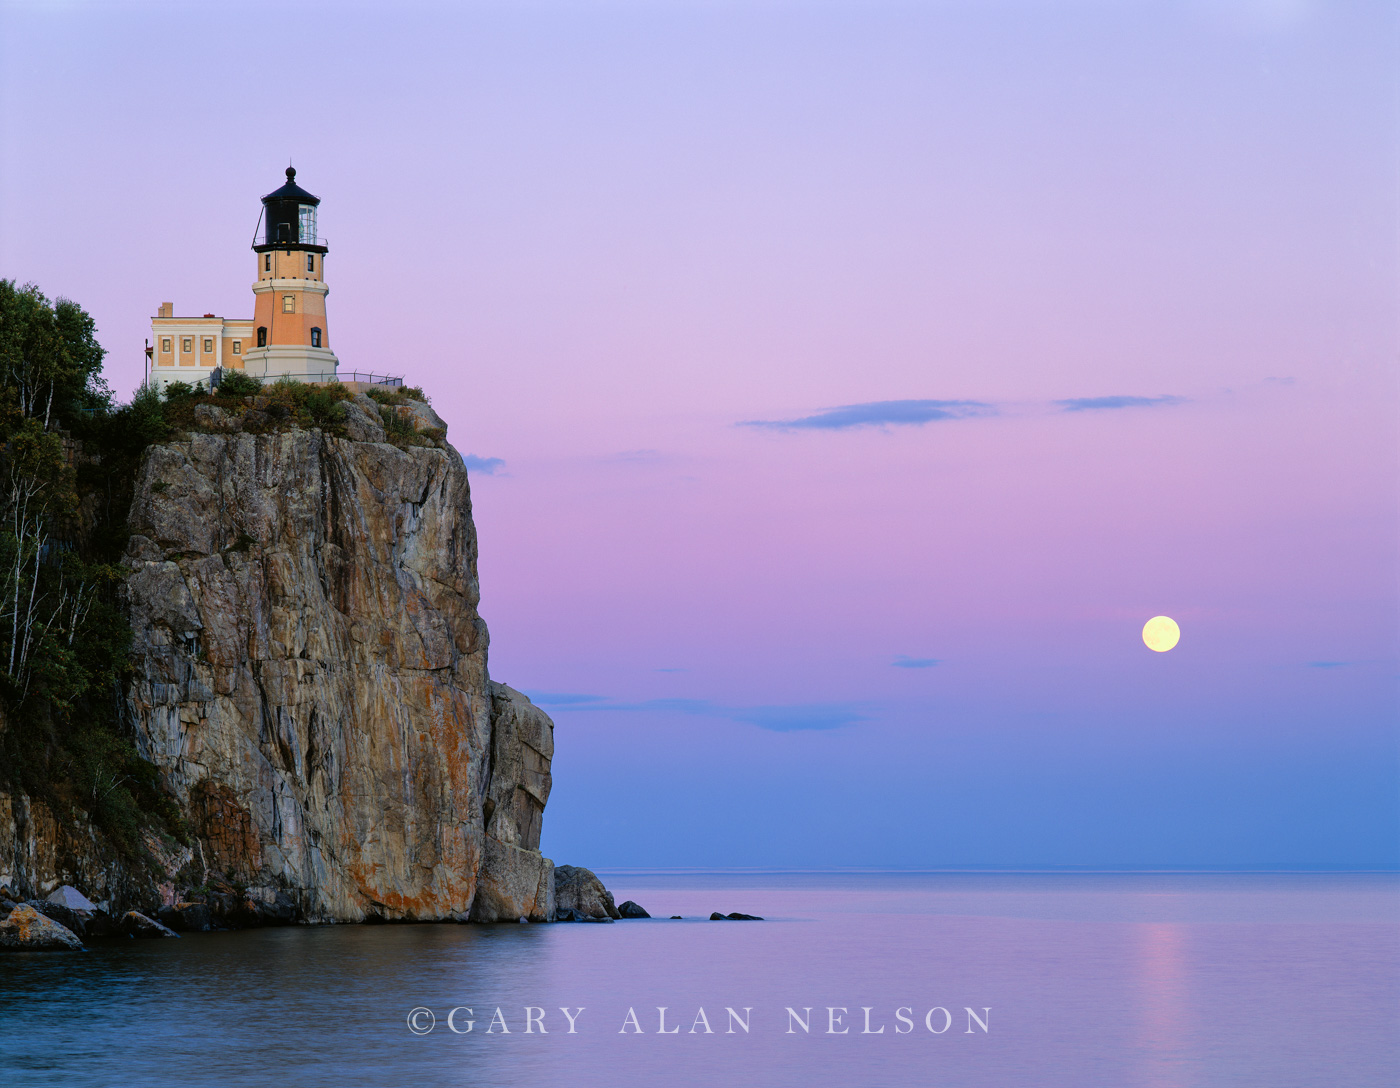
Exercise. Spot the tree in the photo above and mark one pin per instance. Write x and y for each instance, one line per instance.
(50, 360)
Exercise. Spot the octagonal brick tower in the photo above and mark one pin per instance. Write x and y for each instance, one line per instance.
(289, 311)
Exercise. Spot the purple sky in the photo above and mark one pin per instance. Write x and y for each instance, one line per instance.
(861, 378)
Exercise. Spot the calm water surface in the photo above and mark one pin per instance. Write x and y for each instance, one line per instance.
(1118, 980)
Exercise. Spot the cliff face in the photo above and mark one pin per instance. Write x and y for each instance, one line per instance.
(312, 681)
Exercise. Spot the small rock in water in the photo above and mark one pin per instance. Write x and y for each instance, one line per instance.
(136, 924)
(717, 917)
(27, 930)
(675, 917)
(76, 920)
(101, 924)
(630, 909)
(735, 917)
(65, 895)
(183, 917)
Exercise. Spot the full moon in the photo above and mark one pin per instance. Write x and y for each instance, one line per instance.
(1161, 633)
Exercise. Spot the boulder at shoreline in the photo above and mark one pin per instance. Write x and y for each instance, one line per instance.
(577, 888)
(26, 930)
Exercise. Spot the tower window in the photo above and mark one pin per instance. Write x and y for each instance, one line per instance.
(289, 304)
(208, 346)
(315, 338)
(262, 336)
(267, 262)
(311, 262)
(238, 347)
(187, 343)
(165, 345)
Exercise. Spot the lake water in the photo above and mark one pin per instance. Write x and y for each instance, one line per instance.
(1159, 981)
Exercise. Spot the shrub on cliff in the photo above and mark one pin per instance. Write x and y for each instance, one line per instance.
(283, 405)
(235, 383)
(67, 460)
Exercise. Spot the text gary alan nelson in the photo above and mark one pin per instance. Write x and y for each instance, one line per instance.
(824, 1020)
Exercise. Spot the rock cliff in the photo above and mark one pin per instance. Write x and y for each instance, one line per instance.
(311, 682)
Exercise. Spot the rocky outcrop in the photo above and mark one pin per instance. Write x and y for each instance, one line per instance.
(136, 924)
(26, 930)
(516, 882)
(577, 889)
(39, 852)
(312, 685)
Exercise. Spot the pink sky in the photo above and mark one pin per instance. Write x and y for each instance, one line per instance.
(609, 238)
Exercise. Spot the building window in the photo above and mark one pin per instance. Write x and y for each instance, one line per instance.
(267, 262)
(165, 345)
(238, 347)
(187, 343)
(289, 304)
(262, 336)
(208, 346)
(315, 338)
(311, 262)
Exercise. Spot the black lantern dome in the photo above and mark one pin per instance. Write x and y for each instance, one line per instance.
(289, 219)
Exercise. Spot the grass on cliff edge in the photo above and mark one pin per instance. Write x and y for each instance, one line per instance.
(288, 404)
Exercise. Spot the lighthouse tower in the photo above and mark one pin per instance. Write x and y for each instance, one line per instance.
(289, 310)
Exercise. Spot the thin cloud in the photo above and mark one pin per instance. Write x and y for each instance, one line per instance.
(903, 661)
(791, 718)
(1091, 404)
(879, 413)
(487, 466)
(561, 698)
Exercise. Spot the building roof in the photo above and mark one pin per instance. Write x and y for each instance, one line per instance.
(291, 191)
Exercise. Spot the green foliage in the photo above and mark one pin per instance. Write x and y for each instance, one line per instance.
(399, 429)
(394, 395)
(68, 457)
(286, 403)
(396, 425)
(309, 405)
(235, 383)
(50, 360)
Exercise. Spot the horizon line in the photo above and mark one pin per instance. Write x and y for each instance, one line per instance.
(1087, 870)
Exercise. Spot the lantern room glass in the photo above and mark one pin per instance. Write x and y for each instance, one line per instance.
(306, 214)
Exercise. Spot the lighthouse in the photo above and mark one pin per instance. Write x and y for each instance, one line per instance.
(287, 336)
(289, 307)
